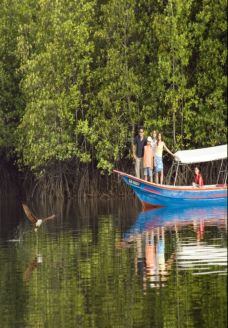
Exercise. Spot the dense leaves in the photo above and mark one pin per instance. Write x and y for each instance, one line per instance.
(78, 77)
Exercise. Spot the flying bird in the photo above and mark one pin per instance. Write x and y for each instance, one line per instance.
(33, 219)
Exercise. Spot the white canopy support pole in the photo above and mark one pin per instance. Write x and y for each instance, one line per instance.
(176, 173)
(170, 173)
(220, 169)
(225, 178)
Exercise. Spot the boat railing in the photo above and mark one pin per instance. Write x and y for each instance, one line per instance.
(214, 172)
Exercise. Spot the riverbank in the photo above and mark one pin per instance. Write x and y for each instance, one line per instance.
(60, 181)
(69, 180)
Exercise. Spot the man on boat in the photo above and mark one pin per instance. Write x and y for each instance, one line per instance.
(138, 152)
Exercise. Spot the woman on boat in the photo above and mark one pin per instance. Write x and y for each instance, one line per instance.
(158, 158)
(198, 178)
(154, 140)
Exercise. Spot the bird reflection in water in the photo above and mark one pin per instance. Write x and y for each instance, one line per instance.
(37, 261)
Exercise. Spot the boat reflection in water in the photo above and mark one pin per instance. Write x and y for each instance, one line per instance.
(189, 244)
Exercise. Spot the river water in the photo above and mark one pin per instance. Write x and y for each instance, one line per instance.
(107, 264)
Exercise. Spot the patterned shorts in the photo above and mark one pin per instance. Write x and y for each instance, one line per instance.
(159, 164)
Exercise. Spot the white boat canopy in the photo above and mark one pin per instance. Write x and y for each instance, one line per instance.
(201, 155)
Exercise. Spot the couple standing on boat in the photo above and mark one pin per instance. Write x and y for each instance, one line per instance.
(147, 153)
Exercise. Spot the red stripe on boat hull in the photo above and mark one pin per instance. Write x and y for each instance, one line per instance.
(152, 190)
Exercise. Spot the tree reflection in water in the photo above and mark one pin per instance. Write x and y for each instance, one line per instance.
(98, 272)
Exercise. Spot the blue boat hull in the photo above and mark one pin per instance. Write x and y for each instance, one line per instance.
(154, 195)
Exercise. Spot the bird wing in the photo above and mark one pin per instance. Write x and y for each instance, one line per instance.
(53, 216)
(29, 214)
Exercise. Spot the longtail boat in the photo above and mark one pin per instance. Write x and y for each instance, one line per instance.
(156, 195)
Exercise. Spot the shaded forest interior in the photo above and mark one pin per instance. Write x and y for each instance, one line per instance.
(77, 78)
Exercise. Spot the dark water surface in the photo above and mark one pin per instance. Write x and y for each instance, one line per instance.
(106, 264)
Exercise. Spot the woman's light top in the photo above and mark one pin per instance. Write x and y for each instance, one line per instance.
(154, 145)
(159, 149)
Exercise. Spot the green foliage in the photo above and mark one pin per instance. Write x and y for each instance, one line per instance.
(11, 99)
(211, 81)
(77, 77)
(55, 74)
